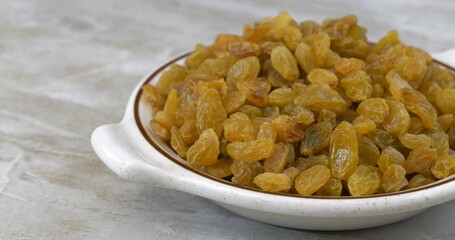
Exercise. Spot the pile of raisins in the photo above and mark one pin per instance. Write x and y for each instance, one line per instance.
(309, 108)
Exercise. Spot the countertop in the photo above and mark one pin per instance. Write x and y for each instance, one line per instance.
(67, 67)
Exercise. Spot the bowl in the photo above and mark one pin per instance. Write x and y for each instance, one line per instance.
(131, 151)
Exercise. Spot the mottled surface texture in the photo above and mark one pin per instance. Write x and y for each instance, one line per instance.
(69, 66)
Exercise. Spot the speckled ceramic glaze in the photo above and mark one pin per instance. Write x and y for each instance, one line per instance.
(129, 150)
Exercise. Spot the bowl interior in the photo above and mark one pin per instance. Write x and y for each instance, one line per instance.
(144, 112)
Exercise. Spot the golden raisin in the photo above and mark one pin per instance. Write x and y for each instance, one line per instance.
(287, 129)
(284, 62)
(365, 180)
(319, 75)
(238, 128)
(444, 166)
(374, 108)
(394, 178)
(273, 182)
(312, 179)
(205, 151)
(276, 162)
(343, 151)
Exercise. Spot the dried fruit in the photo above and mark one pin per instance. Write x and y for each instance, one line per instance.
(285, 63)
(363, 125)
(320, 96)
(394, 178)
(440, 142)
(276, 162)
(312, 179)
(160, 131)
(250, 111)
(418, 181)
(398, 120)
(343, 151)
(316, 138)
(444, 166)
(205, 151)
(250, 151)
(177, 142)
(210, 112)
(368, 151)
(244, 173)
(305, 57)
(267, 131)
(287, 129)
(347, 65)
(282, 96)
(333, 187)
(357, 85)
(299, 114)
(320, 75)
(365, 180)
(388, 157)
(273, 182)
(374, 108)
(303, 164)
(233, 101)
(420, 160)
(153, 96)
(239, 128)
(221, 168)
(413, 141)
(291, 172)
(244, 49)
(245, 69)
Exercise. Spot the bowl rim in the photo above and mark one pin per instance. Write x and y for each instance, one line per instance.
(181, 162)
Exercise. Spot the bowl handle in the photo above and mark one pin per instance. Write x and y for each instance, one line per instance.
(447, 57)
(111, 144)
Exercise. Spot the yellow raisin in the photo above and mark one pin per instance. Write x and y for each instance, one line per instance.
(357, 85)
(419, 180)
(343, 151)
(413, 141)
(388, 157)
(276, 162)
(210, 112)
(444, 166)
(177, 142)
(320, 96)
(239, 128)
(347, 65)
(273, 182)
(320, 75)
(250, 151)
(374, 108)
(312, 179)
(287, 129)
(285, 63)
(205, 151)
(398, 120)
(221, 168)
(316, 138)
(420, 160)
(244, 173)
(303, 164)
(363, 125)
(368, 151)
(282, 96)
(394, 178)
(333, 187)
(365, 180)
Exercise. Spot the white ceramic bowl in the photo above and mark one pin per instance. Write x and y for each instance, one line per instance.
(130, 151)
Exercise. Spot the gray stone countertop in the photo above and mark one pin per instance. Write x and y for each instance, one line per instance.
(67, 67)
